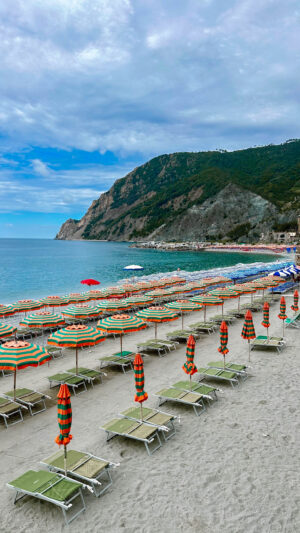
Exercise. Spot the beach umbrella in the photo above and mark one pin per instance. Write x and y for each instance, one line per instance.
(266, 312)
(6, 330)
(136, 301)
(90, 282)
(248, 331)
(121, 324)
(15, 355)
(22, 306)
(223, 340)
(282, 314)
(74, 297)
(243, 289)
(138, 367)
(189, 366)
(64, 416)
(157, 314)
(184, 306)
(76, 336)
(81, 311)
(158, 293)
(55, 301)
(224, 293)
(130, 288)
(43, 319)
(207, 300)
(113, 305)
(295, 307)
(7, 310)
(114, 292)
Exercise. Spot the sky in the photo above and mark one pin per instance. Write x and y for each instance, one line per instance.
(90, 89)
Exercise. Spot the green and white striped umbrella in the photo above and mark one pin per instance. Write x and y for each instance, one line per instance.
(81, 311)
(22, 306)
(6, 330)
(43, 319)
(96, 295)
(184, 306)
(121, 324)
(248, 331)
(207, 300)
(55, 301)
(114, 291)
(224, 293)
(74, 297)
(142, 300)
(158, 293)
(112, 305)
(7, 310)
(157, 314)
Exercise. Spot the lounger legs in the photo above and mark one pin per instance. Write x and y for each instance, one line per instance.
(6, 418)
(153, 449)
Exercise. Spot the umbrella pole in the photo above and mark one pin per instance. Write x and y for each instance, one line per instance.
(205, 313)
(121, 344)
(65, 459)
(224, 360)
(15, 382)
(239, 303)
(268, 333)
(155, 328)
(141, 405)
(76, 360)
(182, 319)
(283, 328)
(223, 309)
(249, 348)
(190, 382)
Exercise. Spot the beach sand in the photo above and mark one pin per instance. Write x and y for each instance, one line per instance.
(234, 469)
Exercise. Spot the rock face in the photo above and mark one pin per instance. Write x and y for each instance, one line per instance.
(198, 196)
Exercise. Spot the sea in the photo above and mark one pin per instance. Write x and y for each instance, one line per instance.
(33, 268)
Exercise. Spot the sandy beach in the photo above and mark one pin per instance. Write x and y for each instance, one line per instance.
(234, 469)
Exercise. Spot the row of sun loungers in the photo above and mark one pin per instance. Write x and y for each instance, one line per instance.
(11, 410)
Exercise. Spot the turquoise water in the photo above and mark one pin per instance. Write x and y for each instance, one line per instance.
(32, 268)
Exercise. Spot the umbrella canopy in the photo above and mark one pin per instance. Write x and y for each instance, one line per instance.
(135, 301)
(138, 367)
(207, 300)
(114, 292)
(64, 417)
(55, 301)
(42, 319)
(121, 324)
(74, 297)
(223, 340)
(81, 311)
(266, 314)
(22, 306)
(76, 336)
(248, 331)
(15, 355)
(131, 288)
(224, 293)
(112, 305)
(6, 330)
(295, 307)
(184, 306)
(90, 282)
(156, 315)
(7, 310)
(189, 366)
(158, 293)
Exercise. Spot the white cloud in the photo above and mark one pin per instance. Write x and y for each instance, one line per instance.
(40, 168)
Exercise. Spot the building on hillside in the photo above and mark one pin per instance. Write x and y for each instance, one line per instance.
(280, 237)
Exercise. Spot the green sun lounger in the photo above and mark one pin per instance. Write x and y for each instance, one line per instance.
(151, 346)
(183, 334)
(74, 382)
(218, 374)
(123, 360)
(130, 429)
(205, 327)
(192, 399)
(9, 408)
(273, 343)
(240, 370)
(52, 488)
(209, 393)
(159, 419)
(292, 322)
(31, 399)
(55, 351)
(84, 467)
(87, 373)
(218, 319)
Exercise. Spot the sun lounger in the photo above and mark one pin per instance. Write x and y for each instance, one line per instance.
(262, 341)
(74, 382)
(88, 374)
(139, 431)
(183, 334)
(209, 393)
(124, 360)
(218, 374)
(293, 322)
(9, 408)
(252, 307)
(55, 351)
(30, 398)
(219, 318)
(84, 467)
(238, 313)
(159, 419)
(50, 487)
(171, 344)
(23, 333)
(151, 346)
(240, 370)
(205, 327)
(183, 397)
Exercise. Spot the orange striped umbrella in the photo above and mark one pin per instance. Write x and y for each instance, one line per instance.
(138, 367)
(295, 307)
(282, 315)
(15, 355)
(157, 314)
(55, 301)
(7, 310)
(22, 306)
(43, 319)
(6, 330)
(64, 416)
(265, 322)
(121, 324)
(248, 331)
(223, 340)
(189, 366)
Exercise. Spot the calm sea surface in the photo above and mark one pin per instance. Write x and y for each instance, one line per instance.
(32, 268)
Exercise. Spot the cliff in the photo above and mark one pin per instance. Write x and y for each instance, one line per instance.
(198, 196)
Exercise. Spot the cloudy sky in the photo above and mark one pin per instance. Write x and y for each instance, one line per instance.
(90, 89)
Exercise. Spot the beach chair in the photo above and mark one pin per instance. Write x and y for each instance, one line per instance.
(293, 322)
(30, 398)
(204, 327)
(130, 429)
(252, 307)
(83, 467)
(208, 392)
(55, 351)
(9, 408)
(240, 370)
(238, 313)
(273, 343)
(182, 335)
(74, 382)
(218, 319)
(159, 419)
(123, 360)
(87, 374)
(52, 488)
(152, 346)
(186, 398)
(23, 333)
(219, 374)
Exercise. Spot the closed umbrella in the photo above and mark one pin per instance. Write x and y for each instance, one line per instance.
(223, 340)
(138, 367)
(157, 314)
(189, 366)
(121, 324)
(282, 314)
(184, 306)
(266, 313)
(64, 416)
(6, 330)
(295, 307)
(15, 355)
(248, 331)
(207, 300)
(76, 336)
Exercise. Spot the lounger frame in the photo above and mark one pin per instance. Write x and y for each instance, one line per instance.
(73, 386)
(167, 431)
(147, 442)
(198, 407)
